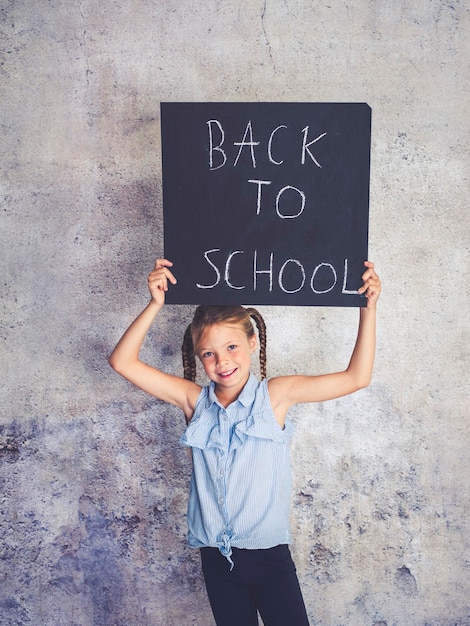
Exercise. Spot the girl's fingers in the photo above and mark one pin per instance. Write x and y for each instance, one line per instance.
(159, 277)
(370, 270)
(163, 263)
(371, 282)
(166, 275)
(158, 281)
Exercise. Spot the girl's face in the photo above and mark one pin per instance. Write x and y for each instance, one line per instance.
(225, 353)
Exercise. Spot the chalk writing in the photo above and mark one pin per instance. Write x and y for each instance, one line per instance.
(215, 126)
(278, 197)
(330, 275)
(305, 147)
(271, 137)
(302, 202)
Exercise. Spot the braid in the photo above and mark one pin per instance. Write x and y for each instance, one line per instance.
(189, 362)
(261, 326)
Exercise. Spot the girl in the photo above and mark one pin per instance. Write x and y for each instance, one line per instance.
(238, 512)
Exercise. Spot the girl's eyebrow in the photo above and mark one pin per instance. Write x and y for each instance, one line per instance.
(201, 350)
(228, 343)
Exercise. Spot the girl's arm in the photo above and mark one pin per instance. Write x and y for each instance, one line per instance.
(125, 356)
(288, 390)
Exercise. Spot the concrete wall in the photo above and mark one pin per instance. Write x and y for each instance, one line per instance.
(94, 484)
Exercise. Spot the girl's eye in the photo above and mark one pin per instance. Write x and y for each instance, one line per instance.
(206, 355)
(232, 347)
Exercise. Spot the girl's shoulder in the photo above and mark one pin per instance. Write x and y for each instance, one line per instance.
(278, 384)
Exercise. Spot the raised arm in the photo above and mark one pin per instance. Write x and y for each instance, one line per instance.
(288, 390)
(125, 357)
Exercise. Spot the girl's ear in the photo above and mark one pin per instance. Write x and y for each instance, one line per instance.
(253, 343)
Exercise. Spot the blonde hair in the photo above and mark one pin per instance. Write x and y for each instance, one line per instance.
(205, 316)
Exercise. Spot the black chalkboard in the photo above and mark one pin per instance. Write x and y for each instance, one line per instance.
(266, 203)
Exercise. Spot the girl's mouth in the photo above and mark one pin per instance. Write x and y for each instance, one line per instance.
(227, 374)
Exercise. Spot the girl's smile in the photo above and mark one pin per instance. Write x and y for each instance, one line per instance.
(227, 374)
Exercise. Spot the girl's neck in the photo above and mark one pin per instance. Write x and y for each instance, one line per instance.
(227, 396)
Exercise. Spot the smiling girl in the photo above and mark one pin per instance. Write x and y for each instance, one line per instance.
(239, 502)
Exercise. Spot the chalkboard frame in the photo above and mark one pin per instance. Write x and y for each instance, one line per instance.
(266, 203)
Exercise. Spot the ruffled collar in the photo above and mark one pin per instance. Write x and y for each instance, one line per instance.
(204, 430)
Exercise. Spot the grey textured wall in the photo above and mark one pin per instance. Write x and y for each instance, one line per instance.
(94, 484)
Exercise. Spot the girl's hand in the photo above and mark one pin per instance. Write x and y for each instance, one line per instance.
(158, 280)
(371, 286)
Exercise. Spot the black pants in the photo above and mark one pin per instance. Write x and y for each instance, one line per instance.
(261, 580)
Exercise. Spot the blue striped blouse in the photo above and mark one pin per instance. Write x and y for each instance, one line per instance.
(240, 485)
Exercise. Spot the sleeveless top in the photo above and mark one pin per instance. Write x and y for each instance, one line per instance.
(240, 484)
